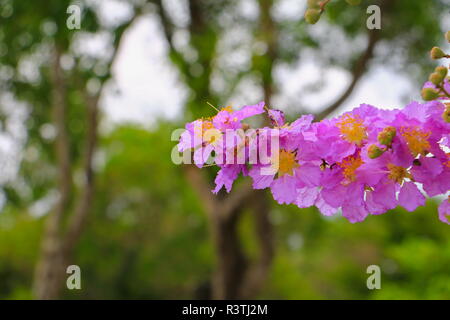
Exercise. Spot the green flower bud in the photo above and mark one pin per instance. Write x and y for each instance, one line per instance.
(353, 2)
(429, 94)
(437, 53)
(374, 151)
(312, 16)
(314, 4)
(435, 78)
(442, 71)
(446, 114)
(386, 136)
(447, 36)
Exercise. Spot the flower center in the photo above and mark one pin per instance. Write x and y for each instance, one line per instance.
(201, 130)
(352, 128)
(416, 140)
(229, 109)
(287, 163)
(397, 173)
(350, 164)
(447, 163)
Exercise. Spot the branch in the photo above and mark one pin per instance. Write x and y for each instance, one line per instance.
(202, 187)
(235, 199)
(46, 282)
(77, 220)
(257, 271)
(62, 145)
(359, 69)
(167, 28)
(269, 33)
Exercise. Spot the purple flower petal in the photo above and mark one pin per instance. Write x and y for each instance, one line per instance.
(444, 210)
(354, 213)
(283, 189)
(248, 111)
(325, 208)
(384, 195)
(410, 197)
(260, 181)
(225, 177)
(306, 197)
(276, 117)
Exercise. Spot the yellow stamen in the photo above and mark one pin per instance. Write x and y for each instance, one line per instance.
(416, 140)
(447, 163)
(397, 173)
(229, 109)
(204, 131)
(350, 164)
(352, 128)
(287, 163)
(199, 130)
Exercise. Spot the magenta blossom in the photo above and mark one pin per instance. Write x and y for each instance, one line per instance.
(364, 162)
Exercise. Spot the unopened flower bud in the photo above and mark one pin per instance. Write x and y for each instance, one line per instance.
(436, 78)
(446, 114)
(429, 94)
(437, 53)
(353, 2)
(312, 16)
(386, 136)
(447, 36)
(374, 151)
(442, 71)
(314, 4)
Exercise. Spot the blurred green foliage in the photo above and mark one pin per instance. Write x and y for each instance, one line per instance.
(153, 242)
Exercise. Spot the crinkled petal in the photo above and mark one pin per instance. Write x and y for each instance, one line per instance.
(248, 111)
(325, 208)
(410, 197)
(186, 141)
(372, 206)
(385, 195)
(309, 175)
(284, 190)
(444, 210)
(201, 155)
(276, 117)
(225, 177)
(260, 181)
(306, 197)
(354, 213)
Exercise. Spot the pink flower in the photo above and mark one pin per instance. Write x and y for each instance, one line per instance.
(206, 135)
(363, 162)
(287, 171)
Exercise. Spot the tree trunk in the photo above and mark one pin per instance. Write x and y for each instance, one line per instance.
(50, 271)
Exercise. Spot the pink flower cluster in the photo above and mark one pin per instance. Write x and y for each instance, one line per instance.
(363, 162)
